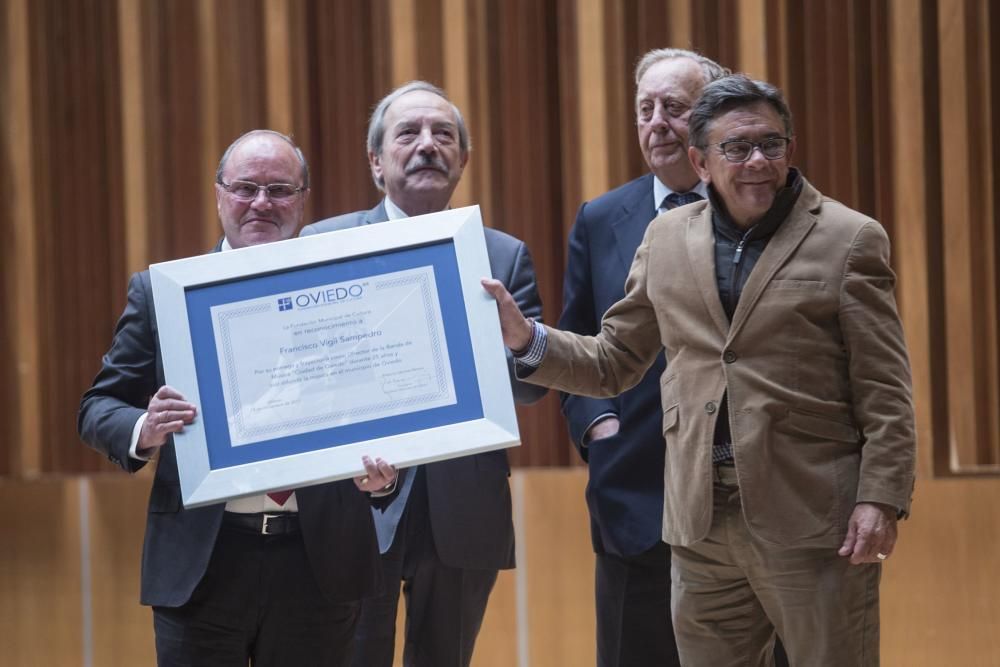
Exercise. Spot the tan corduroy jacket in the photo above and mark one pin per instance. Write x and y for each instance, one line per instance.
(814, 362)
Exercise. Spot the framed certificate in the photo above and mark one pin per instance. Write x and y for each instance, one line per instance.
(303, 355)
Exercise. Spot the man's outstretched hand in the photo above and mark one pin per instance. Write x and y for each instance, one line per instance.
(515, 327)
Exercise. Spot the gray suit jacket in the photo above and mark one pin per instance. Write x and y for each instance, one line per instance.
(468, 497)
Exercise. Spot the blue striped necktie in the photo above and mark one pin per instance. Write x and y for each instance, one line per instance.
(673, 200)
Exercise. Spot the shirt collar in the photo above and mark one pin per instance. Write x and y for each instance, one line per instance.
(660, 191)
(392, 211)
(225, 245)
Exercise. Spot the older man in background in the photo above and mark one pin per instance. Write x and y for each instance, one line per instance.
(620, 438)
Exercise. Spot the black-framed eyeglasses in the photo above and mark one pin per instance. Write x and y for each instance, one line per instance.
(247, 190)
(740, 150)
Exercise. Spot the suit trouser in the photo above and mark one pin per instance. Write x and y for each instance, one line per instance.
(632, 599)
(730, 593)
(259, 602)
(444, 605)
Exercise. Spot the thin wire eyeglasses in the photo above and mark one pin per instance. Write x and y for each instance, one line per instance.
(247, 190)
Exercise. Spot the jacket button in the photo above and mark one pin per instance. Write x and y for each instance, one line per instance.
(710, 407)
(729, 357)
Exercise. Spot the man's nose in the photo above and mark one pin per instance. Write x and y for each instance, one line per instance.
(756, 158)
(261, 199)
(660, 120)
(425, 141)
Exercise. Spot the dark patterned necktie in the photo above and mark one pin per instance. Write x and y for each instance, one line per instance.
(673, 200)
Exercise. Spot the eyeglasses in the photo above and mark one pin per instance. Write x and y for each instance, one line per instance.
(247, 190)
(740, 150)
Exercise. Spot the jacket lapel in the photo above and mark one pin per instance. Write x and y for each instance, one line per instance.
(701, 254)
(786, 239)
(377, 214)
(636, 213)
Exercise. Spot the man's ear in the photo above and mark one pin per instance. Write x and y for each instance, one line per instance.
(699, 160)
(219, 192)
(375, 162)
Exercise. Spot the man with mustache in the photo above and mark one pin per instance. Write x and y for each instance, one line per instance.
(450, 531)
(271, 579)
(786, 404)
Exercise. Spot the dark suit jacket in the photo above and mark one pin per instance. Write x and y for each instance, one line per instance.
(335, 518)
(625, 489)
(469, 497)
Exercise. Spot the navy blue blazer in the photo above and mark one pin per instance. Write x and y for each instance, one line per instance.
(335, 518)
(469, 497)
(625, 489)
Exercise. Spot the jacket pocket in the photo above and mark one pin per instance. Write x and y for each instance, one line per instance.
(820, 426)
(669, 402)
(777, 284)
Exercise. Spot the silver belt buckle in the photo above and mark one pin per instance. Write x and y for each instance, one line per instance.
(263, 526)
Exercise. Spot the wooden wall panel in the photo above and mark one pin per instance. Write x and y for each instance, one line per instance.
(939, 595)
(916, 165)
(177, 184)
(78, 222)
(558, 567)
(20, 436)
(970, 228)
(456, 79)
(498, 637)
(592, 84)
(338, 114)
(135, 179)
(122, 631)
(526, 173)
(751, 21)
(480, 107)
(117, 113)
(571, 136)
(41, 610)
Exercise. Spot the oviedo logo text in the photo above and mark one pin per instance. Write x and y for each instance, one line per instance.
(321, 297)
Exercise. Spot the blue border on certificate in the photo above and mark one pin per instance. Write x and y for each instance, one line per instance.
(221, 453)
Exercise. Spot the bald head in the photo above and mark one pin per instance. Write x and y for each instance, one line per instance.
(261, 189)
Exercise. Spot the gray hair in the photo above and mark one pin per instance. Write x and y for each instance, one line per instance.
(283, 137)
(732, 92)
(376, 125)
(709, 68)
